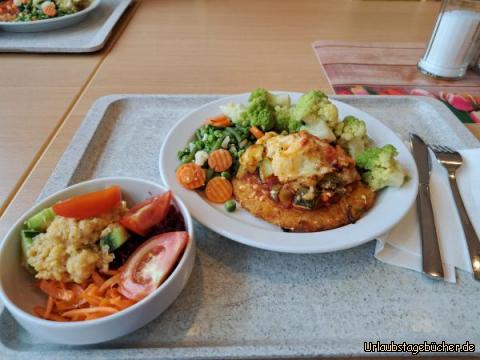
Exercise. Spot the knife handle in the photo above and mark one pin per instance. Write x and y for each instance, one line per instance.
(431, 259)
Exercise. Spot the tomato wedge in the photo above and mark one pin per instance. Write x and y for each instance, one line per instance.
(142, 217)
(150, 264)
(89, 205)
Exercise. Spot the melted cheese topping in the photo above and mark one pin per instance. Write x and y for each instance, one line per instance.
(298, 155)
(293, 157)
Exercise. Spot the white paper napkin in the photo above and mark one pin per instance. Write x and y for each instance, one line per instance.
(402, 247)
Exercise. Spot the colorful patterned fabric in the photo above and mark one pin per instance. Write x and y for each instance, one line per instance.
(390, 69)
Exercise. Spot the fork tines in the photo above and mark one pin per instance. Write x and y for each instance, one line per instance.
(442, 148)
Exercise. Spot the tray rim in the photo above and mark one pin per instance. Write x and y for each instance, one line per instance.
(87, 129)
(95, 44)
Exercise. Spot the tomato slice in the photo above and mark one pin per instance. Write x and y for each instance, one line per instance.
(89, 205)
(142, 217)
(151, 263)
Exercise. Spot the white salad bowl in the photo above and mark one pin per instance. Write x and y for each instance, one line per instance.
(49, 24)
(19, 293)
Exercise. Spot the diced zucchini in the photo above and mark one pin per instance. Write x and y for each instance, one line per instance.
(265, 169)
(27, 240)
(252, 158)
(114, 236)
(41, 221)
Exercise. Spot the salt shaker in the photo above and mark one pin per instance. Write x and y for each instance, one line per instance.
(452, 44)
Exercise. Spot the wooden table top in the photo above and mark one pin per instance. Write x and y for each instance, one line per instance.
(173, 46)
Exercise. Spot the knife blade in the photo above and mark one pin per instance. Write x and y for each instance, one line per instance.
(431, 258)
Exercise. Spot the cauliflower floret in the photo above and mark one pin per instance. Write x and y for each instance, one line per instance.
(233, 111)
(201, 157)
(352, 136)
(381, 169)
(65, 5)
(314, 106)
(321, 130)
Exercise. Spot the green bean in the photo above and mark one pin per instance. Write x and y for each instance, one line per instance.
(199, 134)
(218, 143)
(235, 134)
(210, 174)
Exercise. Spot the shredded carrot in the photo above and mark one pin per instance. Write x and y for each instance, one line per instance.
(48, 310)
(109, 283)
(97, 279)
(110, 272)
(56, 290)
(95, 298)
(87, 311)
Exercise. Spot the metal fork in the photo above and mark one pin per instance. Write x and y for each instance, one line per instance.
(452, 160)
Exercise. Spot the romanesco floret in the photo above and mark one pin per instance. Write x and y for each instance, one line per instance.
(260, 112)
(314, 106)
(285, 121)
(352, 136)
(381, 169)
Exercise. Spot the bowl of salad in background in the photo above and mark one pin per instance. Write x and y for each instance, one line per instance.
(84, 302)
(43, 15)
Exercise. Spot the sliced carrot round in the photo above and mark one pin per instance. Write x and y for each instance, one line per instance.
(220, 160)
(219, 121)
(191, 176)
(219, 190)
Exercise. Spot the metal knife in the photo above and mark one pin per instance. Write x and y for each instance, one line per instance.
(431, 258)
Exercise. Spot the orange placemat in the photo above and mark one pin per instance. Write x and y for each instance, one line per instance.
(391, 69)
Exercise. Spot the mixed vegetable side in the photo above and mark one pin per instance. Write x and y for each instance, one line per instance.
(32, 10)
(214, 155)
(94, 257)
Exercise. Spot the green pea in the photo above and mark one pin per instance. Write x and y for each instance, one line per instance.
(230, 205)
(226, 175)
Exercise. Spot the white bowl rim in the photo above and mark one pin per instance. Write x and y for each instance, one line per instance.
(86, 323)
(93, 5)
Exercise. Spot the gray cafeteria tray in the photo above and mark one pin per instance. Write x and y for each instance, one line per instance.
(87, 36)
(242, 302)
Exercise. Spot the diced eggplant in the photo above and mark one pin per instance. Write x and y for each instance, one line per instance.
(304, 202)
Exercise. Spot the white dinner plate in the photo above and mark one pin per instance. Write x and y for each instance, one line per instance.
(391, 205)
(49, 24)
